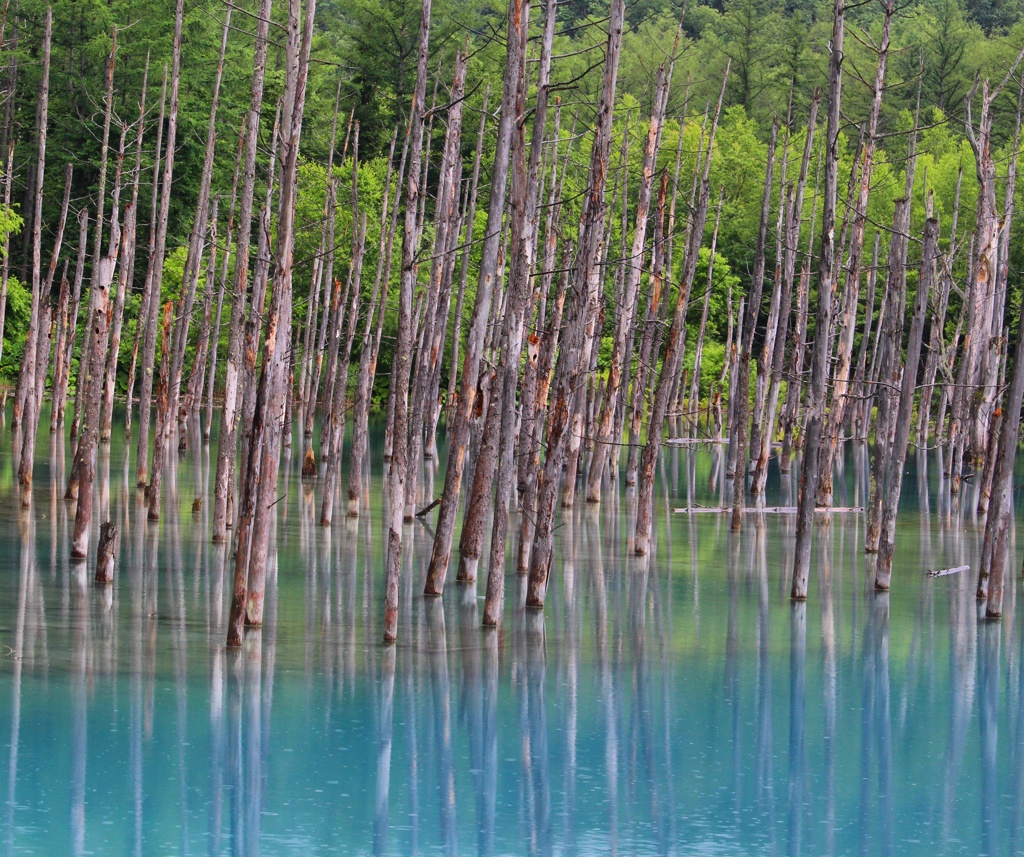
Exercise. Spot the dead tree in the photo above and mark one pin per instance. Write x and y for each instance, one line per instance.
(160, 251)
(25, 389)
(402, 361)
(898, 451)
(438, 292)
(777, 359)
(142, 321)
(890, 342)
(625, 322)
(372, 336)
(976, 377)
(156, 275)
(259, 488)
(195, 252)
(125, 276)
(228, 440)
(525, 191)
(225, 262)
(582, 317)
(99, 322)
(826, 280)
(675, 345)
(847, 321)
(491, 244)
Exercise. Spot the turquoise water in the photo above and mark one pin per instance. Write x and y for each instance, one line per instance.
(678, 705)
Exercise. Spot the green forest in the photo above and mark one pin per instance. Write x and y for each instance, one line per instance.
(363, 62)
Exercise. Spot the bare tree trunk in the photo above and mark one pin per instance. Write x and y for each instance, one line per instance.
(8, 177)
(312, 366)
(146, 309)
(125, 276)
(898, 452)
(335, 421)
(526, 178)
(438, 293)
(890, 340)
(575, 353)
(738, 431)
(100, 323)
(212, 373)
(651, 318)
(625, 322)
(69, 324)
(698, 351)
(197, 378)
(38, 364)
(856, 420)
(997, 525)
(25, 392)
(194, 255)
(371, 344)
(259, 489)
(228, 441)
(97, 250)
(936, 338)
(459, 430)
(778, 356)
(794, 388)
(160, 250)
(467, 245)
(675, 346)
(826, 282)
(402, 361)
(848, 319)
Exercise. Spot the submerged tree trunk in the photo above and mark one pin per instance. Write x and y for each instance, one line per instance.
(160, 251)
(228, 440)
(826, 283)
(259, 489)
(146, 308)
(898, 452)
(626, 319)
(675, 346)
(460, 420)
(582, 311)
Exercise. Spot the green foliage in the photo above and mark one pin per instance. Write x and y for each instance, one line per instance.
(776, 51)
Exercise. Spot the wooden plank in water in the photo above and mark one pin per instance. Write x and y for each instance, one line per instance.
(942, 572)
(768, 510)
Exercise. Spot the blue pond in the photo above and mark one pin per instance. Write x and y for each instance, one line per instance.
(679, 704)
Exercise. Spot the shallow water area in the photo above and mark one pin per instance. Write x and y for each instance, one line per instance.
(676, 704)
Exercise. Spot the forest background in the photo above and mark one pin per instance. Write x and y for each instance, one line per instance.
(363, 60)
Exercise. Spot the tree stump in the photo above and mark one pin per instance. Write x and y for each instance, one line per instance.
(309, 465)
(106, 550)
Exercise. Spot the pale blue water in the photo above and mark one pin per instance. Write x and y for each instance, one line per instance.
(680, 705)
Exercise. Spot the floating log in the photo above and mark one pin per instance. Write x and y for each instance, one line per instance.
(770, 510)
(942, 572)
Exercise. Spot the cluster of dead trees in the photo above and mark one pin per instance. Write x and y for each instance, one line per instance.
(526, 405)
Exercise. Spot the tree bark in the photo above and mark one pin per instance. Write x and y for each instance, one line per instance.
(898, 453)
(826, 283)
(675, 346)
(160, 250)
(459, 430)
(259, 489)
(228, 440)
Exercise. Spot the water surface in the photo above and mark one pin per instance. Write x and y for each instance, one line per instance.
(675, 705)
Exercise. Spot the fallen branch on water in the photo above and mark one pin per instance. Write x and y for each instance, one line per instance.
(942, 572)
(770, 510)
(426, 509)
